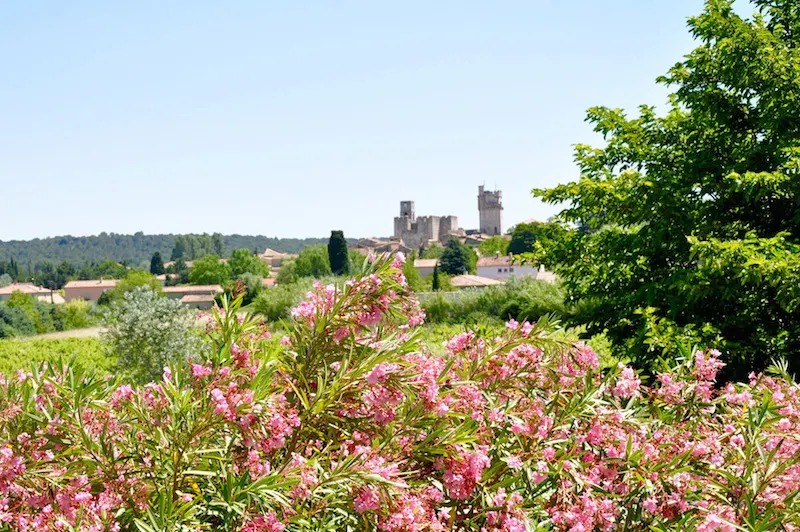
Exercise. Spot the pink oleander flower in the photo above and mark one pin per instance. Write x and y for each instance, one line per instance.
(199, 370)
(367, 500)
(627, 385)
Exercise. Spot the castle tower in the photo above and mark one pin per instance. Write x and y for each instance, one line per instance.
(407, 210)
(490, 208)
(402, 223)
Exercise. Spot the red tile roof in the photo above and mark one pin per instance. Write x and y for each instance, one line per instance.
(25, 288)
(102, 283)
(187, 289)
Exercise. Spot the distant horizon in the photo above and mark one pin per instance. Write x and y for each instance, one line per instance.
(189, 233)
(387, 236)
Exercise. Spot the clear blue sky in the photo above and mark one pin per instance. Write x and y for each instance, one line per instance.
(295, 118)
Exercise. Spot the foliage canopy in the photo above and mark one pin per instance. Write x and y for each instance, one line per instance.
(692, 218)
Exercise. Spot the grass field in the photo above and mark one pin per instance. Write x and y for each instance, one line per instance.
(87, 352)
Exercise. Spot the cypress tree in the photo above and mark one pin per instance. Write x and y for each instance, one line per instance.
(156, 264)
(337, 253)
(435, 284)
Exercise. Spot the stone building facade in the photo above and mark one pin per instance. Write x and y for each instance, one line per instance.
(417, 231)
(490, 208)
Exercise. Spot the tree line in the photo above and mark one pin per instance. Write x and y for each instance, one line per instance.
(134, 250)
(52, 262)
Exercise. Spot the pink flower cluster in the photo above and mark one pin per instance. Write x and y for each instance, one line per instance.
(351, 422)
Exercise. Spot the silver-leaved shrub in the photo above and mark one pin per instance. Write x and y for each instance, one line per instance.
(146, 331)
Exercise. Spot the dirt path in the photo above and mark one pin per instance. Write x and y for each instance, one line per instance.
(73, 333)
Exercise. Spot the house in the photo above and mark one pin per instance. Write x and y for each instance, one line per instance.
(473, 281)
(198, 301)
(179, 292)
(274, 258)
(37, 292)
(90, 290)
(425, 266)
(503, 267)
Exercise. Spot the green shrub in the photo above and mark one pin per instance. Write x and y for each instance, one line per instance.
(89, 354)
(520, 299)
(274, 304)
(133, 279)
(77, 314)
(14, 322)
(439, 309)
(38, 312)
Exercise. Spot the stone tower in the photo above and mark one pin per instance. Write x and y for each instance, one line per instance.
(490, 208)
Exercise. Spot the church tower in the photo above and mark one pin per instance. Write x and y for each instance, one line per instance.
(490, 208)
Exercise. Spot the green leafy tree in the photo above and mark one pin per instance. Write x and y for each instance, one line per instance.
(435, 284)
(457, 259)
(313, 262)
(244, 261)
(5, 280)
(147, 332)
(157, 264)
(337, 253)
(524, 237)
(494, 245)
(210, 270)
(694, 216)
(133, 279)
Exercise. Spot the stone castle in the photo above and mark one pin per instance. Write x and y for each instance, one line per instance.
(423, 230)
(416, 232)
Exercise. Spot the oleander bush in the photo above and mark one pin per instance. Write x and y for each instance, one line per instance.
(350, 422)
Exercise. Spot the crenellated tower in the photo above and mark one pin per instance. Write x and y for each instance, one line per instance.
(490, 208)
